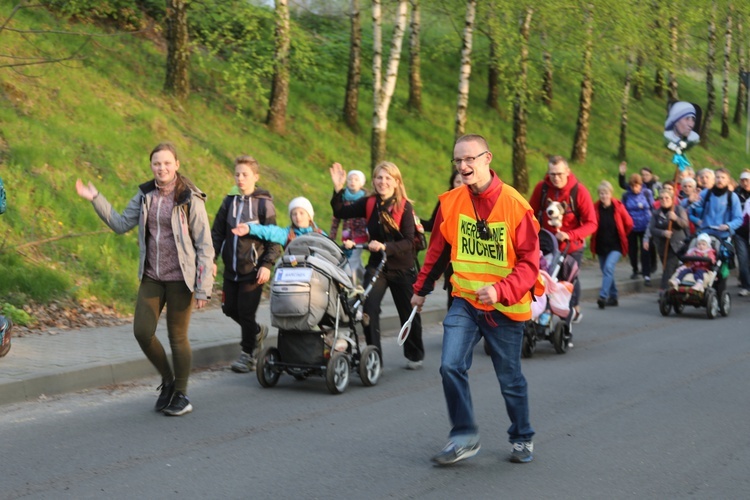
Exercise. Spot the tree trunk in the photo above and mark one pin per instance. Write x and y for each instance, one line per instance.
(276, 119)
(659, 83)
(740, 105)
(415, 76)
(493, 74)
(383, 87)
(465, 72)
(725, 85)
(547, 82)
(673, 60)
(520, 172)
(351, 99)
(710, 68)
(622, 152)
(638, 78)
(580, 142)
(178, 50)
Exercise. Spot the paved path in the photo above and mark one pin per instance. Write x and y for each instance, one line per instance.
(76, 360)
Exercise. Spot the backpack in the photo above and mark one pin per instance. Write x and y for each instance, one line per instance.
(3, 204)
(420, 240)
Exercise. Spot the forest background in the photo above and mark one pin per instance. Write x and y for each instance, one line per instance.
(88, 87)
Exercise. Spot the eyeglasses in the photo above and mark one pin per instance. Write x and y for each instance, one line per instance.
(469, 160)
(556, 174)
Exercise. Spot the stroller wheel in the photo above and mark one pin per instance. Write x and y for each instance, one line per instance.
(266, 369)
(560, 337)
(369, 366)
(527, 349)
(725, 303)
(678, 307)
(665, 306)
(337, 373)
(712, 303)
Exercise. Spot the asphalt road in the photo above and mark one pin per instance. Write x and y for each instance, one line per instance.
(642, 407)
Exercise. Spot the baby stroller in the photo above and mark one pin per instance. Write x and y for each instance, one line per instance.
(715, 297)
(316, 308)
(551, 313)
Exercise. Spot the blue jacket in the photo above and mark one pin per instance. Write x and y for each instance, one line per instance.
(715, 212)
(278, 234)
(639, 206)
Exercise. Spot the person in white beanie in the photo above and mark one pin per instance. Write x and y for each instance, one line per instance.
(678, 128)
(301, 213)
(353, 229)
(702, 248)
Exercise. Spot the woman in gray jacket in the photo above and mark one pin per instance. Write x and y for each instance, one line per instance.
(669, 224)
(176, 263)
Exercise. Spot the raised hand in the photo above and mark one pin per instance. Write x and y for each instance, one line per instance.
(338, 176)
(86, 192)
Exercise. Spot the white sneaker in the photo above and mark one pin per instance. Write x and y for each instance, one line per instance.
(414, 365)
(744, 292)
(577, 316)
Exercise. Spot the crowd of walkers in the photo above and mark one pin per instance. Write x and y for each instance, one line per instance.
(484, 242)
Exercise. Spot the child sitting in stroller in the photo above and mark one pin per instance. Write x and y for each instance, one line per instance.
(301, 214)
(698, 268)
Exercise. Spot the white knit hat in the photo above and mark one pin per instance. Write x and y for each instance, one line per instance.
(677, 112)
(359, 174)
(302, 202)
(704, 237)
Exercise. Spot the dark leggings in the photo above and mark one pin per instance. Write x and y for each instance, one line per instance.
(152, 296)
(400, 282)
(635, 247)
(240, 302)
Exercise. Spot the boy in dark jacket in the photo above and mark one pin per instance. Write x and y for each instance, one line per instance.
(247, 260)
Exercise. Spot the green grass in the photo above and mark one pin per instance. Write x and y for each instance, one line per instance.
(98, 119)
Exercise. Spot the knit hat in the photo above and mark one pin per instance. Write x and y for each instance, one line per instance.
(704, 237)
(677, 112)
(745, 175)
(302, 202)
(357, 173)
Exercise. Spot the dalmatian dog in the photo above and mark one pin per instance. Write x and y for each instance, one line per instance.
(555, 211)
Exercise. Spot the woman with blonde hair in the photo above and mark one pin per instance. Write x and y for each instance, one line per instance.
(390, 224)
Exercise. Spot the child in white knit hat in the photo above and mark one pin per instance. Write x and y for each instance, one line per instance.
(301, 213)
(698, 269)
(353, 229)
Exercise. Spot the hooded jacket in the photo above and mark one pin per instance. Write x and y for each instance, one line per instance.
(579, 223)
(190, 228)
(244, 254)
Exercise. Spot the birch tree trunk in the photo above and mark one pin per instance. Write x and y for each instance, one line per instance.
(725, 84)
(351, 98)
(177, 82)
(520, 172)
(547, 82)
(622, 152)
(276, 119)
(493, 73)
(465, 71)
(740, 105)
(710, 69)
(415, 76)
(673, 60)
(383, 87)
(580, 142)
(638, 77)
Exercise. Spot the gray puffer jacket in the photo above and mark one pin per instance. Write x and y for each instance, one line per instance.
(192, 232)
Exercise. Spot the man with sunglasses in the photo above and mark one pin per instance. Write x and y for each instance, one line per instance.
(579, 220)
(487, 231)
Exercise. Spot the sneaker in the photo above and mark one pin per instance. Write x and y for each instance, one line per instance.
(522, 452)
(601, 302)
(634, 276)
(452, 453)
(414, 365)
(244, 364)
(675, 283)
(577, 316)
(647, 280)
(165, 396)
(612, 302)
(180, 405)
(744, 292)
(698, 287)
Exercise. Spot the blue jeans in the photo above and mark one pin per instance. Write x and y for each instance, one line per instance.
(607, 264)
(463, 326)
(743, 260)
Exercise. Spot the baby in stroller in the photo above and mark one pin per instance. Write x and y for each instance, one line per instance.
(699, 267)
(551, 313)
